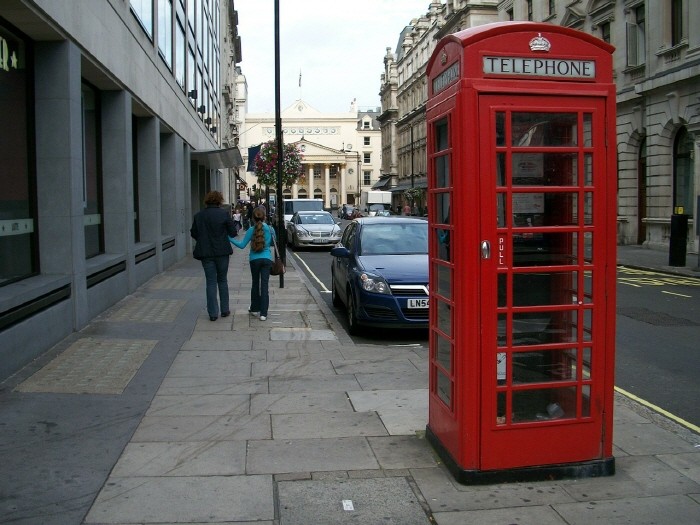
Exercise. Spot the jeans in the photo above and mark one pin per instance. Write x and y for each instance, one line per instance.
(215, 270)
(259, 295)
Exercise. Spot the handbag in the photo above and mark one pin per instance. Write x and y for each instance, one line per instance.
(277, 265)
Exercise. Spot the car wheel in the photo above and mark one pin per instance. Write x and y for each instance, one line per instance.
(353, 327)
(334, 293)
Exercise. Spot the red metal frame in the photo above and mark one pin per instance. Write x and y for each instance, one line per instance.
(483, 417)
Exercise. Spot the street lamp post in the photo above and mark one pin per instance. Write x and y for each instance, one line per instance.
(281, 232)
(412, 176)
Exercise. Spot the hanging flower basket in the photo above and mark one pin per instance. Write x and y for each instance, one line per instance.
(266, 164)
(414, 194)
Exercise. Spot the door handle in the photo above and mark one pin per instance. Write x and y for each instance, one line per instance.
(485, 250)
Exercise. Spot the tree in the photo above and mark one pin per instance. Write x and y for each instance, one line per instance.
(266, 164)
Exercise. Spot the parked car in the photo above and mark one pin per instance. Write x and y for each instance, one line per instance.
(379, 273)
(313, 228)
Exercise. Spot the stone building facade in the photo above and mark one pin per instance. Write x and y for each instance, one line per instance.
(657, 72)
(341, 151)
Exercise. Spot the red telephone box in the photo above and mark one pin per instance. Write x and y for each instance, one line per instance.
(522, 211)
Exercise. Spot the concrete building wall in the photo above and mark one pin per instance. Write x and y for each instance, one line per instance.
(147, 186)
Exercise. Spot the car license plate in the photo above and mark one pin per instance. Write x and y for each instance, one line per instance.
(418, 303)
(318, 241)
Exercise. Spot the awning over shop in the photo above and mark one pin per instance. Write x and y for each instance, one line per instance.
(404, 187)
(219, 158)
(382, 183)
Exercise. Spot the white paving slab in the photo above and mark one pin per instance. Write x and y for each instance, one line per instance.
(327, 425)
(298, 403)
(386, 501)
(205, 405)
(224, 385)
(203, 428)
(309, 455)
(197, 499)
(672, 510)
(195, 458)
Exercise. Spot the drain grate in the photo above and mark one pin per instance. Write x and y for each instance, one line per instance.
(654, 318)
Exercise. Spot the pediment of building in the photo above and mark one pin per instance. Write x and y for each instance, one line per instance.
(314, 152)
(300, 109)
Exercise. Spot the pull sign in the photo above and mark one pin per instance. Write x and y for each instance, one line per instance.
(501, 251)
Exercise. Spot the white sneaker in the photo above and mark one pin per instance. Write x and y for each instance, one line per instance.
(254, 314)
(263, 318)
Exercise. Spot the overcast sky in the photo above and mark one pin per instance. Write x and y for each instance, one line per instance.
(337, 46)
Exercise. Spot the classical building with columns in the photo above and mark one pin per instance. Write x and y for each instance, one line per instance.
(341, 151)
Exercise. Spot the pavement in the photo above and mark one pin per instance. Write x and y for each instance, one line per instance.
(154, 414)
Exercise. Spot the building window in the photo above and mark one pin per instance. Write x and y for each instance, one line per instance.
(317, 173)
(191, 75)
(367, 158)
(605, 32)
(636, 38)
(366, 178)
(18, 254)
(143, 9)
(92, 173)
(551, 7)
(641, 192)
(165, 31)
(683, 172)
(529, 10)
(677, 33)
(367, 141)
(180, 48)
(365, 124)
(191, 10)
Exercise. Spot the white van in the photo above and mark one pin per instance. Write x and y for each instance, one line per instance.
(291, 206)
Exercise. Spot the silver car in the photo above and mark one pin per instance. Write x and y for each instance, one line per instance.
(313, 228)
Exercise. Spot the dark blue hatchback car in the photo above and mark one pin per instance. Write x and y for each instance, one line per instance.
(379, 272)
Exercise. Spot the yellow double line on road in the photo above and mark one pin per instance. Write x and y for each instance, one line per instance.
(659, 410)
(637, 277)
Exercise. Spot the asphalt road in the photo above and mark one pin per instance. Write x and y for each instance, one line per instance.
(658, 340)
(658, 334)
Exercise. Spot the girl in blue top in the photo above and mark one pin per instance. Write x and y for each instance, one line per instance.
(260, 238)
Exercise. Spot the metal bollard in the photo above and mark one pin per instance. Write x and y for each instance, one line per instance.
(679, 239)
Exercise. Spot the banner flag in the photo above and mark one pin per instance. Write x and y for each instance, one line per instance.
(252, 153)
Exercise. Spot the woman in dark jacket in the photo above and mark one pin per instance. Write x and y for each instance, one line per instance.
(211, 228)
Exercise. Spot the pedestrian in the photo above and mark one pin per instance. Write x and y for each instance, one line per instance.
(260, 237)
(249, 214)
(407, 209)
(211, 229)
(237, 222)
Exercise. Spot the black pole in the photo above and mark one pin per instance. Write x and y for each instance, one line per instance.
(411, 155)
(281, 231)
